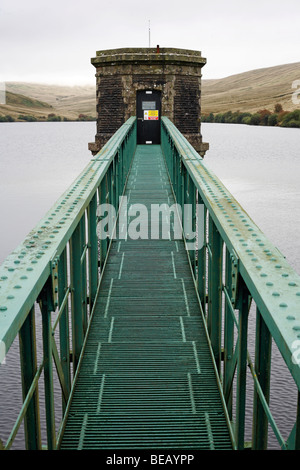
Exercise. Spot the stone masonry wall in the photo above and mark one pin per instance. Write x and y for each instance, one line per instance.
(121, 73)
(187, 104)
(110, 103)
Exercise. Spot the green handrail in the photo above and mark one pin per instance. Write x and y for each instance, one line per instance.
(56, 270)
(255, 271)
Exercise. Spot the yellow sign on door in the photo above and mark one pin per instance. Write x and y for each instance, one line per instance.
(151, 115)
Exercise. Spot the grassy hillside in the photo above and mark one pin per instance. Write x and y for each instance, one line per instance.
(251, 91)
(246, 92)
(17, 104)
(16, 100)
(65, 101)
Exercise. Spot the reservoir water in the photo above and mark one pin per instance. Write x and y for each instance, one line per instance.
(259, 165)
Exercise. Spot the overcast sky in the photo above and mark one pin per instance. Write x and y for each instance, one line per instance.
(53, 41)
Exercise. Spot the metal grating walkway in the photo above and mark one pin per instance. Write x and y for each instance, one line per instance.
(146, 380)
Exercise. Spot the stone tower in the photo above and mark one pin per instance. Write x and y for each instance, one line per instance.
(174, 73)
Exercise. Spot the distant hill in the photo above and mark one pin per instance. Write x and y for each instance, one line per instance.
(16, 100)
(249, 91)
(66, 101)
(17, 104)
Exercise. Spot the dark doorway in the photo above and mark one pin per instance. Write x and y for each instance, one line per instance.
(148, 110)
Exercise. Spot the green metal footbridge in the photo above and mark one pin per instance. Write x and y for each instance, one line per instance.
(133, 330)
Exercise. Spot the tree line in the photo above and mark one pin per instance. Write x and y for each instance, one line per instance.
(263, 117)
(50, 118)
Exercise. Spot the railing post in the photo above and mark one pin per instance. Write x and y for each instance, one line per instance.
(172, 163)
(64, 337)
(263, 372)
(83, 261)
(171, 160)
(215, 291)
(46, 306)
(113, 183)
(76, 283)
(182, 189)
(228, 340)
(28, 371)
(191, 200)
(118, 177)
(202, 259)
(93, 250)
(103, 242)
(176, 171)
(243, 306)
(180, 181)
(297, 435)
(123, 165)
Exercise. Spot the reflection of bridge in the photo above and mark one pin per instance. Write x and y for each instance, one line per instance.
(148, 338)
